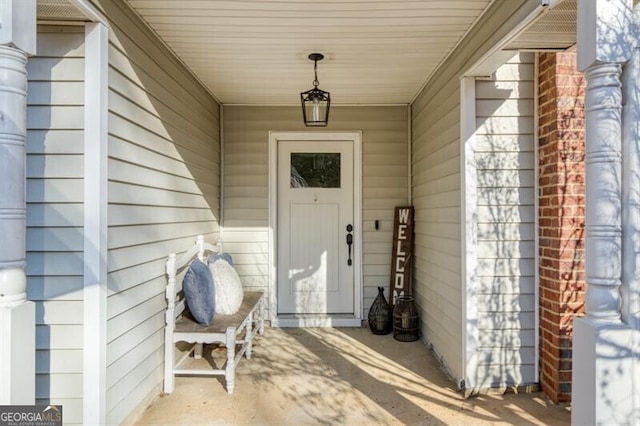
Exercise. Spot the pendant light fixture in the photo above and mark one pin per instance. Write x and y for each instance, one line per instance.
(315, 102)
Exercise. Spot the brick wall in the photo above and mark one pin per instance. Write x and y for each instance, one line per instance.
(561, 216)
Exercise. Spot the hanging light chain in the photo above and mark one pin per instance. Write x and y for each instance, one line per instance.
(316, 83)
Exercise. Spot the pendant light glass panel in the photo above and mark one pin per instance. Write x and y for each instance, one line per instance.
(315, 107)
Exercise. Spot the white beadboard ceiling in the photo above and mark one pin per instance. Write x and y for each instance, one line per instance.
(255, 51)
(376, 51)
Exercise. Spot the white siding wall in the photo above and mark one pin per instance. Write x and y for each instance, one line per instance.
(164, 167)
(246, 202)
(505, 162)
(55, 214)
(436, 199)
(436, 181)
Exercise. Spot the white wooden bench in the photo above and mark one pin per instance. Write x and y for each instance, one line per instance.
(225, 329)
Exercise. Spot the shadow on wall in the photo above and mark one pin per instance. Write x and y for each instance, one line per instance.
(503, 332)
(54, 237)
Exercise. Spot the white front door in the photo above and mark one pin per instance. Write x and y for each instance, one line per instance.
(315, 191)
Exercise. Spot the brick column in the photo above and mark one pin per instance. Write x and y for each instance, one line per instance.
(561, 216)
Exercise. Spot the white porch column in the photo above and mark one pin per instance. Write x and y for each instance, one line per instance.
(631, 208)
(602, 348)
(17, 315)
(630, 289)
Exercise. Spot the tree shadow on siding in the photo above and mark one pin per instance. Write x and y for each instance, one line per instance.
(503, 329)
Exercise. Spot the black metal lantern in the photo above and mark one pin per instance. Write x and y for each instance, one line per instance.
(315, 102)
(406, 322)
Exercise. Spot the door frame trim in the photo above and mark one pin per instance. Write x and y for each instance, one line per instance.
(342, 320)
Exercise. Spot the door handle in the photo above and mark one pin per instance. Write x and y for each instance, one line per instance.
(349, 242)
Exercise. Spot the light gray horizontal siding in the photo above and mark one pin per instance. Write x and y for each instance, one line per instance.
(55, 141)
(163, 190)
(246, 203)
(506, 316)
(55, 214)
(436, 184)
(436, 198)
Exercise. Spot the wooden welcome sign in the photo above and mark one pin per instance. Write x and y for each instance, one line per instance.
(402, 254)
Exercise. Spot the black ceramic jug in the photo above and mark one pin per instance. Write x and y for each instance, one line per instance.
(380, 314)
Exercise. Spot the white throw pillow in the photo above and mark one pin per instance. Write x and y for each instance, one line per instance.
(228, 288)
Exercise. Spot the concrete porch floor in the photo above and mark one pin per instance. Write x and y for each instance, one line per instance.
(340, 376)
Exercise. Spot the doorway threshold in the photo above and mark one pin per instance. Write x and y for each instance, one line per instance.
(316, 320)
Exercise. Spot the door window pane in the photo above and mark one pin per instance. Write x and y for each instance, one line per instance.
(315, 170)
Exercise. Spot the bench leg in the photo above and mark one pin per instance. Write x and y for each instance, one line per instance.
(248, 336)
(197, 351)
(230, 368)
(261, 316)
(169, 360)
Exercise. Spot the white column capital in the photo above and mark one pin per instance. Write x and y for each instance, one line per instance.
(604, 32)
(18, 24)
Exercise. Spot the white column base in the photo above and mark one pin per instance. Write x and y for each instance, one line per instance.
(603, 369)
(18, 354)
(635, 416)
